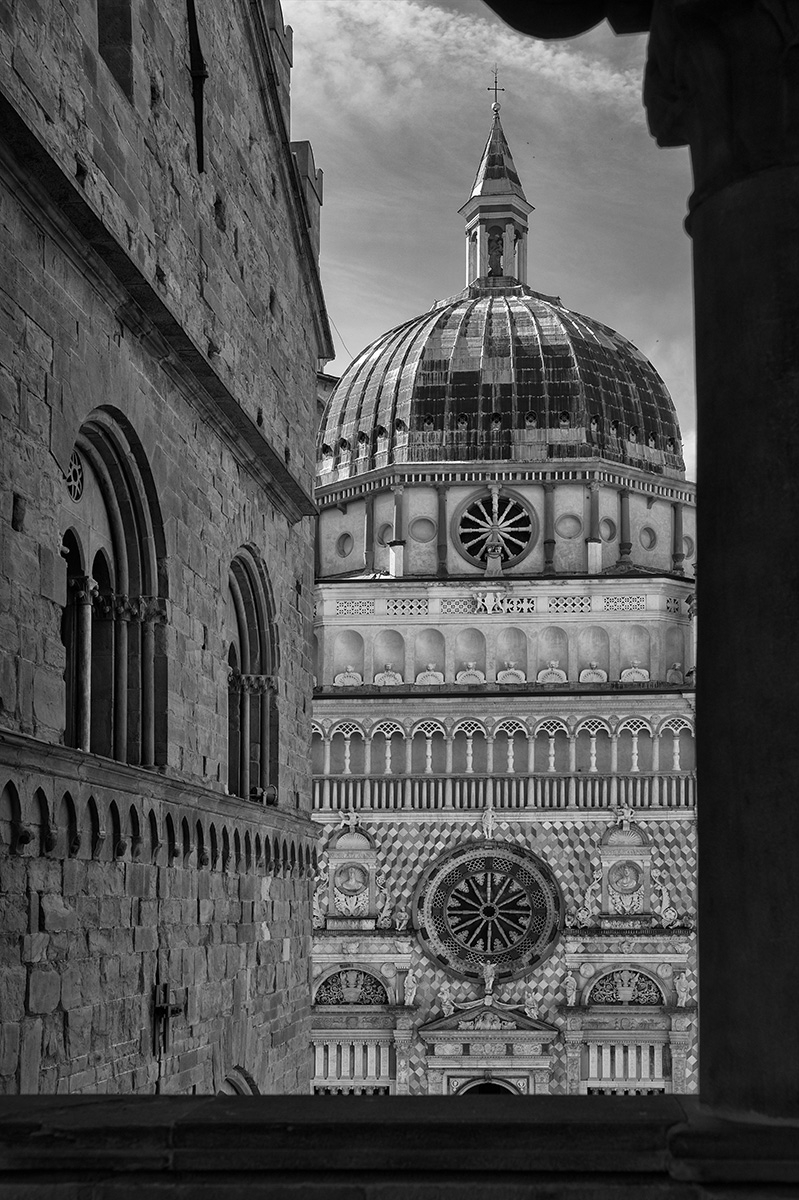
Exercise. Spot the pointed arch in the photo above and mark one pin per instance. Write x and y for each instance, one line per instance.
(252, 658)
(113, 622)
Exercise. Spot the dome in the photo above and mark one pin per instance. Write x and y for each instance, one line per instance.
(499, 373)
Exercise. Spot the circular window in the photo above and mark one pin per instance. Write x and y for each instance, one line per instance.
(488, 902)
(648, 538)
(344, 545)
(384, 534)
(568, 526)
(74, 477)
(607, 529)
(422, 529)
(496, 524)
(688, 544)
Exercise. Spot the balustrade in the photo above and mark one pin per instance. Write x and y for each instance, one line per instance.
(472, 792)
(625, 1067)
(353, 1063)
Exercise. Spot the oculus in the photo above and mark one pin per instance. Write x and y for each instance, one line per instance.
(568, 526)
(648, 537)
(422, 529)
(488, 903)
(496, 525)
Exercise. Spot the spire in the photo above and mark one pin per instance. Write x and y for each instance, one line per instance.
(496, 212)
(496, 175)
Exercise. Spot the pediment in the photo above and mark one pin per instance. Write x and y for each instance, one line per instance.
(480, 1018)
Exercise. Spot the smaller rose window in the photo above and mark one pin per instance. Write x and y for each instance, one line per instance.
(74, 477)
(496, 526)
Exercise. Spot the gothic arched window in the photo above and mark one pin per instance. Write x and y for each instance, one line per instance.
(252, 709)
(113, 624)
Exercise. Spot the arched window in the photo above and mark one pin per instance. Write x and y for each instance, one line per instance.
(113, 625)
(252, 706)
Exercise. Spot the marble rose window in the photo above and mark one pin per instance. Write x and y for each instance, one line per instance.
(493, 903)
(496, 525)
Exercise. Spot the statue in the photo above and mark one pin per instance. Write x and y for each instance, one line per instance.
(447, 1000)
(586, 910)
(495, 254)
(488, 823)
(530, 1003)
(401, 919)
(411, 984)
(489, 977)
(319, 897)
(349, 820)
(383, 900)
(682, 987)
(570, 984)
(668, 914)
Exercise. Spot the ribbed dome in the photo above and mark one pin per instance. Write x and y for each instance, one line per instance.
(499, 372)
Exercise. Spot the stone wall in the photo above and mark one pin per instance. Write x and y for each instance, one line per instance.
(119, 885)
(165, 322)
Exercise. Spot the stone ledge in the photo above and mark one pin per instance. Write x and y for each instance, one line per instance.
(372, 1147)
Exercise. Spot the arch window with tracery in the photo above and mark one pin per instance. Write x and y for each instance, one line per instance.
(113, 623)
(252, 768)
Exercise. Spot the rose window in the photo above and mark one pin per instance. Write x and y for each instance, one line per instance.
(490, 903)
(496, 526)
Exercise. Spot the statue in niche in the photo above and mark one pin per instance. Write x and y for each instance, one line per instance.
(489, 973)
(488, 823)
(570, 986)
(682, 986)
(674, 673)
(593, 673)
(388, 677)
(411, 985)
(495, 254)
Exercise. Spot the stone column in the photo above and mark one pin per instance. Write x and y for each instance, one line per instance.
(549, 529)
(122, 615)
(442, 542)
(396, 547)
(723, 79)
(83, 589)
(369, 533)
(625, 541)
(594, 540)
(678, 541)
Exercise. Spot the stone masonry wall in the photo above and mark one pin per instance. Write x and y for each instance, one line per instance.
(99, 905)
(185, 308)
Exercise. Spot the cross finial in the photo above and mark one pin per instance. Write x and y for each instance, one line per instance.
(495, 89)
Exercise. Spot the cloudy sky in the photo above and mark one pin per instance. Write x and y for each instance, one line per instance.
(392, 95)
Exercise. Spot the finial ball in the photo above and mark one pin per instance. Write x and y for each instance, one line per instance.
(495, 108)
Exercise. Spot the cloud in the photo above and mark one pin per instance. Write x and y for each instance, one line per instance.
(379, 61)
(393, 95)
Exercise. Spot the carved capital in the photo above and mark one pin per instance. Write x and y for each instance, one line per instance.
(722, 77)
(83, 588)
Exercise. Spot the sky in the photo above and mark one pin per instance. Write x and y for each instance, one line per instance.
(393, 96)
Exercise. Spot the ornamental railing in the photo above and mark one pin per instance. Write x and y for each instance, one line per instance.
(357, 1063)
(474, 792)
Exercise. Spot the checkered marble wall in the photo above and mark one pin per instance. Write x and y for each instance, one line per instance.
(570, 847)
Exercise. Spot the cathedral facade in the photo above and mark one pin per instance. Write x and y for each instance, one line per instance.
(503, 714)
(162, 326)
